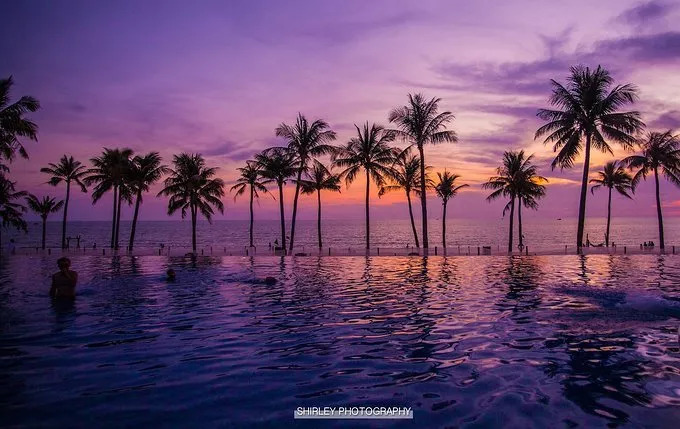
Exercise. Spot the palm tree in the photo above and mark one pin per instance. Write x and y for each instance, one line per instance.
(193, 186)
(320, 179)
(446, 188)
(11, 212)
(516, 179)
(144, 171)
(420, 122)
(305, 141)
(109, 172)
(43, 208)
(67, 170)
(660, 151)
(612, 176)
(250, 179)
(13, 124)
(405, 175)
(588, 108)
(278, 164)
(369, 151)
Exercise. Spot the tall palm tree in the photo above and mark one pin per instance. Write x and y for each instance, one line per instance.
(67, 170)
(446, 188)
(420, 122)
(143, 172)
(517, 179)
(660, 151)
(250, 179)
(586, 112)
(108, 173)
(43, 208)
(193, 186)
(369, 151)
(612, 176)
(320, 179)
(405, 175)
(13, 123)
(11, 212)
(305, 140)
(278, 165)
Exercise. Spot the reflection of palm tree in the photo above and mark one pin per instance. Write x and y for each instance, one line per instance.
(369, 151)
(13, 124)
(108, 173)
(420, 122)
(517, 179)
(67, 170)
(446, 188)
(278, 164)
(320, 179)
(43, 208)
(588, 108)
(11, 212)
(250, 179)
(305, 141)
(193, 186)
(405, 175)
(660, 151)
(612, 176)
(144, 171)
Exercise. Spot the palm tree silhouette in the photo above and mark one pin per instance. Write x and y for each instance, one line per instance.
(405, 175)
(13, 124)
(67, 170)
(278, 164)
(612, 176)
(43, 208)
(588, 107)
(305, 140)
(250, 179)
(108, 173)
(660, 151)
(446, 188)
(320, 179)
(516, 179)
(193, 186)
(369, 151)
(420, 122)
(144, 171)
(11, 212)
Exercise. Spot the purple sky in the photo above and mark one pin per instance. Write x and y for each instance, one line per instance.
(218, 77)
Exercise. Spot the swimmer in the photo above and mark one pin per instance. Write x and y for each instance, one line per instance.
(170, 275)
(269, 280)
(64, 282)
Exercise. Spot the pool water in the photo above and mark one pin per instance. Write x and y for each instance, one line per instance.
(548, 341)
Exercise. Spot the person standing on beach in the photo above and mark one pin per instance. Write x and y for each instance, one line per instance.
(64, 281)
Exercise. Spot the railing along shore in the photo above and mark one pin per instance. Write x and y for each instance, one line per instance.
(463, 250)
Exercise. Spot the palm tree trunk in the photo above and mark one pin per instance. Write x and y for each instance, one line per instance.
(113, 224)
(368, 227)
(44, 231)
(519, 222)
(118, 220)
(609, 217)
(295, 203)
(193, 228)
(318, 216)
(283, 219)
(134, 221)
(63, 224)
(250, 230)
(658, 209)
(444, 228)
(512, 226)
(413, 224)
(423, 194)
(584, 193)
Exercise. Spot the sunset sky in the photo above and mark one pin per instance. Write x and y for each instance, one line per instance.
(218, 77)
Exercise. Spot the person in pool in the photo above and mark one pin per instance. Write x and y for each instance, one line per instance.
(170, 275)
(64, 282)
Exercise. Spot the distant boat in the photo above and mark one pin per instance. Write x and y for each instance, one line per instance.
(559, 218)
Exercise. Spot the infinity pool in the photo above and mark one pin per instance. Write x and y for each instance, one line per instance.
(550, 341)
